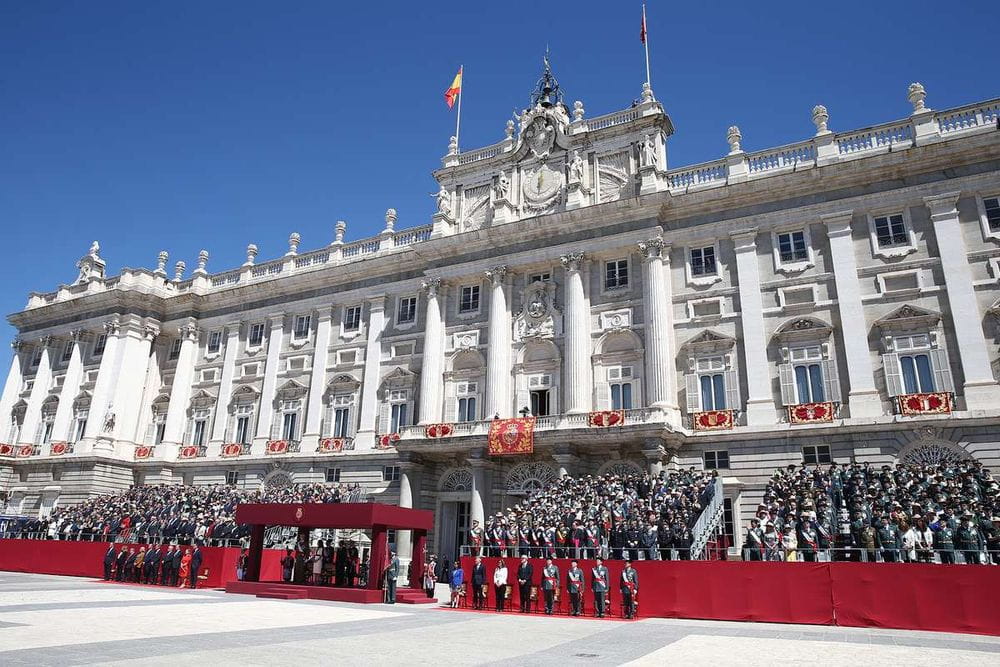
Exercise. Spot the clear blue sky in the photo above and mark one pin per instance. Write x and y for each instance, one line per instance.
(188, 125)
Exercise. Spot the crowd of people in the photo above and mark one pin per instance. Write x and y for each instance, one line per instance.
(947, 512)
(153, 564)
(635, 516)
(162, 513)
(342, 565)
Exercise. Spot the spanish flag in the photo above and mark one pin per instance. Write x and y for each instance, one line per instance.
(454, 90)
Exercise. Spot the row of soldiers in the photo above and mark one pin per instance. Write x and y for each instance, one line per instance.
(150, 566)
(550, 580)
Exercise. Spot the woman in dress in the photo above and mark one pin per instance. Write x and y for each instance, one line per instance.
(500, 584)
(185, 571)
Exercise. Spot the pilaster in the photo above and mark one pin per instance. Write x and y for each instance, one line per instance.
(62, 427)
(760, 408)
(265, 410)
(499, 399)
(39, 392)
(577, 379)
(317, 380)
(135, 345)
(225, 386)
(365, 438)
(100, 407)
(180, 390)
(433, 357)
(661, 375)
(12, 386)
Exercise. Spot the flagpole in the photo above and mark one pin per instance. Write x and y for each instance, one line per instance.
(645, 44)
(458, 117)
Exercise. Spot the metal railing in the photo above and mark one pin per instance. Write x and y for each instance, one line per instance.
(875, 555)
(708, 522)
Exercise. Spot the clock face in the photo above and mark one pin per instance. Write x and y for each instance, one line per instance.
(541, 185)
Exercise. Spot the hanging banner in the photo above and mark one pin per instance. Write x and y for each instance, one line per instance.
(606, 418)
(512, 436)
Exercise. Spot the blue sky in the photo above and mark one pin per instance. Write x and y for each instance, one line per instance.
(187, 125)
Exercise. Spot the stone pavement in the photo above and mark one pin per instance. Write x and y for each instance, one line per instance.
(48, 620)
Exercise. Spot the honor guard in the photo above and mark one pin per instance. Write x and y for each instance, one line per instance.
(574, 584)
(550, 584)
(629, 589)
(599, 584)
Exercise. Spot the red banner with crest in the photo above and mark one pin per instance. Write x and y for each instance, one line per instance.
(58, 448)
(439, 430)
(276, 447)
(6, 450)
(512, 436)
(606, 418)
(230, 450)
(930, 403)
(713, 420)
(143, 451)
(386, 441)
(810, 413)
(327, 445)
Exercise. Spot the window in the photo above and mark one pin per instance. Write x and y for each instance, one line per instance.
(289, 425)
(67, 352)
(390, 473)
(102, 340)
(991, 206)
(332, 475)
(243, 415)
(47, 430)
(716, 460)
(467, 401)
(402, 350)
(214, 342)
(208, 375)
(250, 370)
(621, 387)
(347, 356)
(256, 337)
(703, 261)
(199, 427)
(890, 231)
(36, 358)
(296, 363)
(712, 383)
(302, 326)
(399, 410)
(806, 364)
(80, 425)
(406, 313)
(792, 247)
(469, 302)
(540, 403)
(342, 415)
(160, 424)
(352, 318)
(814, 454)
(539, 277)
(616, 274)
(175, 349)
(232, 477)
(915, 362)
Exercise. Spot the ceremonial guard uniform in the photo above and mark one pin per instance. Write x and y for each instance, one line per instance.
(629, 589)
(390, 580)
(476, 535)
(574, 584)
(599, 584)
(550, 584)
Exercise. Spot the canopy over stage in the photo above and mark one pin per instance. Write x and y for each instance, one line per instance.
(377, 518)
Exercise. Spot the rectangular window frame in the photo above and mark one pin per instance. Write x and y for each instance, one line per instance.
(816, 455)
(617, 274)
(351, 322)
(406, 310)
(988, 213)
(214, 345)
(902, 242)
(794, 263)
(716, 459)
(694, 261)
(255, 335)
(469, 300)
(302, 328)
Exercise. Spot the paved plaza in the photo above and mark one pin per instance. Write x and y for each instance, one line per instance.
(48, 620)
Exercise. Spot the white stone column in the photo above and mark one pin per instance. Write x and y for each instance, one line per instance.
(657, 304)
(654, 451)
(409, 491)
(576, 380)
(365, 438)
(432, 366)
(135, 344)
(63, 425)
(760, 408)
(567, 463)
(981, 389)
(265, 411)
(479, 499)
(144, 434)
(39, 392)
(863, 397)
(12, 387)
(100, 400)
(221, 422)
(180, 390)
(499, 399)
(317, 381)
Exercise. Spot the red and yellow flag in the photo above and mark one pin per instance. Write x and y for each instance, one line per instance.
(453, 91)
(511, 436)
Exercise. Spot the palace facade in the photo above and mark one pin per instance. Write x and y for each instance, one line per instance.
(835, 299)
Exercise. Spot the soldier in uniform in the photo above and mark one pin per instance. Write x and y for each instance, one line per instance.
(754, 540)
(599, 584)
(807, 537)
(109, 559)
(476, 536)
(888, 539)
(944, 543)
(574, 584)
(550, 584)
(629, 589)
(390, 578)
(867, 540)
(649, 539)
(969, 542)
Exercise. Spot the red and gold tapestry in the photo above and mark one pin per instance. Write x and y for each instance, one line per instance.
(606, 418)
(143, 452)
(276, 447)
(439, 430)
(386, 441)
(188, 452)
(25, 450)
(810, 413)
(58, 448)
(713, 420)
(936, 403)
(327, 445)
(6, 450)
(512, 436)
(230, 450)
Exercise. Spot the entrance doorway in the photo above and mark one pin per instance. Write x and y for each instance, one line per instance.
(454, 520)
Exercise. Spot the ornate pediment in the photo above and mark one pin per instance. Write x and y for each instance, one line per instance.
(244, 394)
(399, 377)
(803, 328)
(202, 399)
(292, 390)
(539, 317)
(709, 341)
(908, 317)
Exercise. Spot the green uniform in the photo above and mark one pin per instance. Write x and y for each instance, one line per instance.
(550, 584)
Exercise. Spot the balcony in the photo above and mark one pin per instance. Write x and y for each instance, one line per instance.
(632, 417)
(278, 447)
(335, 445)
(191, 452)
(234, 449)
(925, 403)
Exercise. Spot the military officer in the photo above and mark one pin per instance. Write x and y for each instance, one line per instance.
(476, 536)
(550, 584)
(390, 578)
(944, 543)
(754, 540)
(969, 541)
(888, 540)
(599, 584)
(629, 589)
(574, 584)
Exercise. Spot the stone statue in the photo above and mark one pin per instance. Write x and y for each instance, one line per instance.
(650, 156)
(109, 421)
(576, 168)
(95, 248)
(502, 187)
(444, 202)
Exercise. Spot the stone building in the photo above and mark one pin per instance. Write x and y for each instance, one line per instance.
(835, 299)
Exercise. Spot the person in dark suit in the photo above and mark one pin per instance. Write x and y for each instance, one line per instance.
(130, 565)
(478, 584)
(175, 566)
(524, 576)
(168, 564)
(120, 564)
(152, 564)
(109, 559)
(196, 557)
(391, 574)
